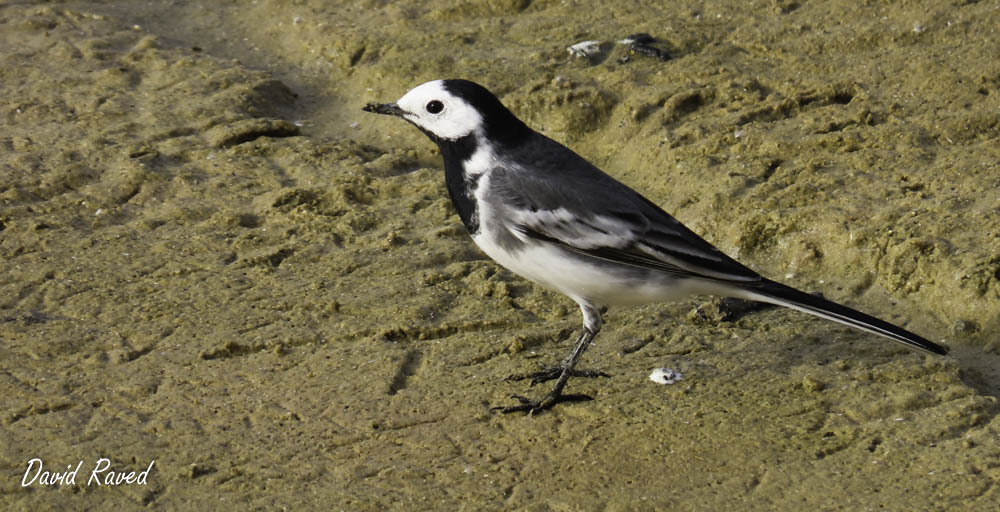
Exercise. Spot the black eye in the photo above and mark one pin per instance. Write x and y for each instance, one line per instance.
(434, 106)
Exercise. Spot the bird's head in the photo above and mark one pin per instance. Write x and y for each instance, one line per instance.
(449, 110)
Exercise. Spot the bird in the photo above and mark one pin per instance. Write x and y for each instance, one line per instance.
(548, 215)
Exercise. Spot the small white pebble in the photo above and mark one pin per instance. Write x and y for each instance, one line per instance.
(584, 48)
(665, 376)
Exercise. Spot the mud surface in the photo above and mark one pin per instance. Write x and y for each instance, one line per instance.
(212, 259)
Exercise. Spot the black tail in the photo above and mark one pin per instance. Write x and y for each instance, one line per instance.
(777, 293)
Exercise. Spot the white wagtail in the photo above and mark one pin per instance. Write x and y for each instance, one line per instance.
(548, 215)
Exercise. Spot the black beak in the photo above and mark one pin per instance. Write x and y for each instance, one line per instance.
(389, 109)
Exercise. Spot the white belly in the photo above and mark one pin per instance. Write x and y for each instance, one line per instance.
(565, 272)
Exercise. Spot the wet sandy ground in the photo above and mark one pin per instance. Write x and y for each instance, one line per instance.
(212, 259)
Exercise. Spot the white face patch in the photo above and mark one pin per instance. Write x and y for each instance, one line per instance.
(436, 110)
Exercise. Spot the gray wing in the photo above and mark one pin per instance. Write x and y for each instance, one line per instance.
(588, 212)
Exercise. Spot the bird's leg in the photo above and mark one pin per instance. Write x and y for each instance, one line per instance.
(591, 326)
(554, 372)
(564, 372)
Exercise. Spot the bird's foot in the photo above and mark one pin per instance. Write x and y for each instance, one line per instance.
(553, 373)
(535, 406)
